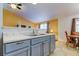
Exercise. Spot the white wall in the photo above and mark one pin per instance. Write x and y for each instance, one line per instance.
(1, 18)
(1, 15)
(64, 24)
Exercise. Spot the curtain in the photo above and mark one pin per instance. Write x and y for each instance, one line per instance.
(73, 26)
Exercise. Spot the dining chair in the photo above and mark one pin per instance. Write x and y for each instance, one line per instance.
(69, 41)
(76, 33)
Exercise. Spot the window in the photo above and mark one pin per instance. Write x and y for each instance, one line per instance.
(77, 25)
(43, 26)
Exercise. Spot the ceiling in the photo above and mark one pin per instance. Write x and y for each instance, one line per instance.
(45, 11)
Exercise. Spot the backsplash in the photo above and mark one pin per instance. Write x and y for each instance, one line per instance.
(40, 31)
(22, 31)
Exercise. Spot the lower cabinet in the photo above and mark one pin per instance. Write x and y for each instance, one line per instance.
(46, 48)
(22, 52)
(40, 49)
(36, 50)
(34, 47)
(52, 44)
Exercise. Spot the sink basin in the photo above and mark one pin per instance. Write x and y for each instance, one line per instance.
(37, 34)
(33, 35)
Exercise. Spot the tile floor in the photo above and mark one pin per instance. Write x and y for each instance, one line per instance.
(62, 50)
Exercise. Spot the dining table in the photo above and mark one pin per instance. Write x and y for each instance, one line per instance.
(76, 37)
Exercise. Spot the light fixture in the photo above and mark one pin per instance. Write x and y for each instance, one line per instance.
(13, 6)
(51, 30)
(34, 3)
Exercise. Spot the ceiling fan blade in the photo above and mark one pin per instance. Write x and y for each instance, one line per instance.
(19, 4)
(18, 7)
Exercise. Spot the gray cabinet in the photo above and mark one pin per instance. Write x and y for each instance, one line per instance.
(22, 52)
(10, 47)
(36, 50)
(17, 48)
(1, 44)
(46, 48)
(40, 46)
(52, 43)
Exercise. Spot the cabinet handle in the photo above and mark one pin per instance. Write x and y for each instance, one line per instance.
(19, 42)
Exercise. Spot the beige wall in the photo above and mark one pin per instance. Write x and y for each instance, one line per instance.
(53, 26)
(11, 19)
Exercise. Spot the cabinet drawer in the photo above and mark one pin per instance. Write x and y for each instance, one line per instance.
(15, 46)
(40, 39)
(46, 38)
(36, 40)
(53, 37)
(22, 52)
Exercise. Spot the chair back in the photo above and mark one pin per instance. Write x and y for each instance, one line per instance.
(76, 33)
(67, 37)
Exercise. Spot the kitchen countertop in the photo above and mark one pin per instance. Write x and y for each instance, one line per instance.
(14, 38)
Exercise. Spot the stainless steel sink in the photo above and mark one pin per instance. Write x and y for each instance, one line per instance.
(33, 35)
(36, 34)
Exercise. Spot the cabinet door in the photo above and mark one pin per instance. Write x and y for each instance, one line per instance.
(22, 52)
(10, 47)
(46, 48)
(52, 43)
(37, 50)
(1, 44)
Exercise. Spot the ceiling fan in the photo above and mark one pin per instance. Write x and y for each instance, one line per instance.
(16, 6)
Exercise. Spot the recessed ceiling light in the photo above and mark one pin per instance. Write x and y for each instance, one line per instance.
(13, 6)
